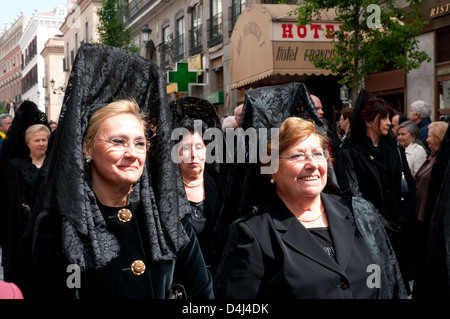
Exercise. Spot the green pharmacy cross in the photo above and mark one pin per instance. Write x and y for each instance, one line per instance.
(182, 77)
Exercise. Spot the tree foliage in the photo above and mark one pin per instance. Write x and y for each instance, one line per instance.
(112, 28)
(371, 36)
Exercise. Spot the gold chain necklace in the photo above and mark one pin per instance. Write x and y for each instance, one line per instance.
(193, 186)
(311, 220)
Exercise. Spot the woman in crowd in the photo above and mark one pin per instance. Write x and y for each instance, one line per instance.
(436, 132)
(22, 158)
(111, 222)
(408, 136)
(423, 177)
(371, 165)
(301, 242)
(204, 190)
(37, 137)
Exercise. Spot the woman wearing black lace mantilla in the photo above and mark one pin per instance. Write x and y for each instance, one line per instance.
(297, 238)
(112, 209)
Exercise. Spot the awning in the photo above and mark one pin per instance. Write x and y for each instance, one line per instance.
(266, 41)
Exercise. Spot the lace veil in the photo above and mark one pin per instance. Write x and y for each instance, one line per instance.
(100, 75)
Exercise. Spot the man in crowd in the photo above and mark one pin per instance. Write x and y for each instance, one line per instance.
(5, 122)
(420, 114)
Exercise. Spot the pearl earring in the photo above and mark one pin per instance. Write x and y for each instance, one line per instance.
(272, 181)
(88, 159)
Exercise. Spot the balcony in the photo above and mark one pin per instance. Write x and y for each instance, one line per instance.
(178, 48)
(195, 40)
(164, 56)
(215, 30)
(135, 7)
(233, 14)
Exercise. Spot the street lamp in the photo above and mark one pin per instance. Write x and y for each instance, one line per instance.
(146, 31)
(149, 45)
(344, 95)
(52, 84)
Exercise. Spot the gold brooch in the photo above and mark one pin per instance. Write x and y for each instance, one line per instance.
(138, 267)
(124, 215)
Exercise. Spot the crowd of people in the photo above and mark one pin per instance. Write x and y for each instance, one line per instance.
(113, 204)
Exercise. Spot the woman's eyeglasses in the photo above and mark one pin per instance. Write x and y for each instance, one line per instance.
(120, 144)
(302, 157)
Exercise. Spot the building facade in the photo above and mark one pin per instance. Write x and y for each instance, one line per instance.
(196, 32)
(54, 79)
(431, 81)
(79, 27)
(11, 63)
(205, 34)
(41, 27)
(438, 13)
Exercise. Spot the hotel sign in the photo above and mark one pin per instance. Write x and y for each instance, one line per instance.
(440, 10)
(316, 32)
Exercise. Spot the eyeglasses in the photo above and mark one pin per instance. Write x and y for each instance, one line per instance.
(302, 157)
(120, 144)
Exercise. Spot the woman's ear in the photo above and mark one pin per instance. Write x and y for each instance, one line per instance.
(86, 150)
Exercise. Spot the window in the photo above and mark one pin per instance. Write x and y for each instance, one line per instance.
(195, 34)
(443, 45)
(178, 42)
(444, 95)
(215, 23)
(236, 9)
(166, 45)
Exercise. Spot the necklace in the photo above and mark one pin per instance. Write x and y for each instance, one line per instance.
(193, 186)
(311, 220)
(38, 165)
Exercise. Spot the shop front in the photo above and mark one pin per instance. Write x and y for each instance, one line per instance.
(438, 13)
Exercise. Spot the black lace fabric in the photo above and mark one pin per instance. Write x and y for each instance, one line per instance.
(195, 108)
(269, 106)
(100, 75)
(265, 108)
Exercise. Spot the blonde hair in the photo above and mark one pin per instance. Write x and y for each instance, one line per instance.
(438, 129)
(292, 130)
(109, 110)
(36, 128)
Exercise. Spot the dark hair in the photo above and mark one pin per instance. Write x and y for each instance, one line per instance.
(375, 106)
(347, 112)
(189, 124)
(401, 117)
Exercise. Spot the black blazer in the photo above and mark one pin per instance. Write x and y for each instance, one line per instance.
(270, 254)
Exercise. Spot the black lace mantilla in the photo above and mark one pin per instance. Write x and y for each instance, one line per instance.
(100, 75)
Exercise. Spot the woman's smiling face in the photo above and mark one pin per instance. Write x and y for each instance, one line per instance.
(113, 166)
(305, 178)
